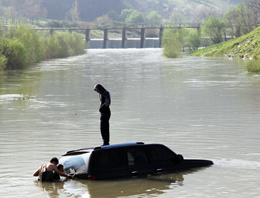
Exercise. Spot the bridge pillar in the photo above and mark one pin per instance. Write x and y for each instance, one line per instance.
(160, 36)
(199, 30)
(105, 38)
(51, 31)
(87, 35)
(123, 37)
(142, 37)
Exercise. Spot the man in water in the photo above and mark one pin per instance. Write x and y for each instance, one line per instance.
(45, 172)
(104, 109)
(56, 176)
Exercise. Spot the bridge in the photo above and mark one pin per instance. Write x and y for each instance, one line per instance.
(124, 41)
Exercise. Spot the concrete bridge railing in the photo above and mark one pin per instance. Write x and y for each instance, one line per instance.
(124, 31)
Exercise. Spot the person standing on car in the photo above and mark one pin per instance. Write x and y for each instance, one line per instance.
(105, 101)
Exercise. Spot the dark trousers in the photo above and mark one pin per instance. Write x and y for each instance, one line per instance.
(104, 127)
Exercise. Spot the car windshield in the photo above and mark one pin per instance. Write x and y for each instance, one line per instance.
(76, 164)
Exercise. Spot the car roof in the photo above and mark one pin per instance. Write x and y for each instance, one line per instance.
(119, 145)
(91, 149)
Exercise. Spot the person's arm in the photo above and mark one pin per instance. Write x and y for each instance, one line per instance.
(107, 99)
(37, 172)
(59, 172)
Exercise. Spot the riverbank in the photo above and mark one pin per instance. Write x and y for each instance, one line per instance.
(22, 46)
(247, 47)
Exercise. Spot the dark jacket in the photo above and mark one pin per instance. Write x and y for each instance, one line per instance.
(105, 99)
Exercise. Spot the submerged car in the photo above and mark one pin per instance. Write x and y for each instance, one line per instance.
(125, 160)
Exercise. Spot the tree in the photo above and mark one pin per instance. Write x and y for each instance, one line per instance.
(213, 28)
(154, 18)
(240, 20)
(75, 11)
(254, 7)
(17, 9)
(254, 4)
(194, 39)
(230, 19)
(176, 18)
(126, 14)
(9, 13)
(33, 9)
(135, 17)
(113, 15)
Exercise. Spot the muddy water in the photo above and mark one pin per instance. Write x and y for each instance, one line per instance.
(205, 108)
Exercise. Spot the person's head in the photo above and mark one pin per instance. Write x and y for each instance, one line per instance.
(99, 88)
(54, 160)
(60, 167)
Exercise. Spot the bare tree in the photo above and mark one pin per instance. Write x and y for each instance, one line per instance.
(75, 11)
(17, 8)
(254, 6)
(33, 9)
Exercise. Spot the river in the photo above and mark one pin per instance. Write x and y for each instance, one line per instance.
(206, 108)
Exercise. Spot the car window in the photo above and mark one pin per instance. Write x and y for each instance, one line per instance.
(137, 156)
(161, 154)
(109, 159)
(75, 164)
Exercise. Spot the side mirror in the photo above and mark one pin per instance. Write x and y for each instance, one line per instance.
(177, 159)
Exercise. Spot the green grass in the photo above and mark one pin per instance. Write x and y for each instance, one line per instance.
(247, 46)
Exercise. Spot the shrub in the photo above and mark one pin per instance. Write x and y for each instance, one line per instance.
(171, 44)
(3, 61)
(253, 65)
(14, 52)
(31, 41)
(78, 44)
(52, 47)
(63, 44)
(22, 46)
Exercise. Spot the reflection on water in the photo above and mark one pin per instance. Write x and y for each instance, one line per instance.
(199, 107)
(50, 189)
(152, 185)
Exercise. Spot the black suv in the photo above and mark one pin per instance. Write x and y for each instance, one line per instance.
(124, 160)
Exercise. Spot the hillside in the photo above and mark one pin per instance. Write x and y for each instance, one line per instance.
(186, 10)
(247, 46)
(170, 11)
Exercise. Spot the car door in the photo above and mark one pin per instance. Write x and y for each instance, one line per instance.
(162, 157)
(108, 163)
(138, 161)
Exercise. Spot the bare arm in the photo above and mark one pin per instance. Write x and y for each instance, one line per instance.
(59, 172)
(36, 173)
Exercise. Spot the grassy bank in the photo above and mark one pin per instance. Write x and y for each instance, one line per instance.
(22, 46)
(247, 47)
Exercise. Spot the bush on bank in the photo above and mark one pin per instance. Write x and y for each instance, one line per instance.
(22, 46)
(253, 65)
(63, 44)
(31, 41)
(12, 54)
(174, 40)
(171, 44)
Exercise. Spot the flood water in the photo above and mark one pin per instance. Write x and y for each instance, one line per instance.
(206, 108)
